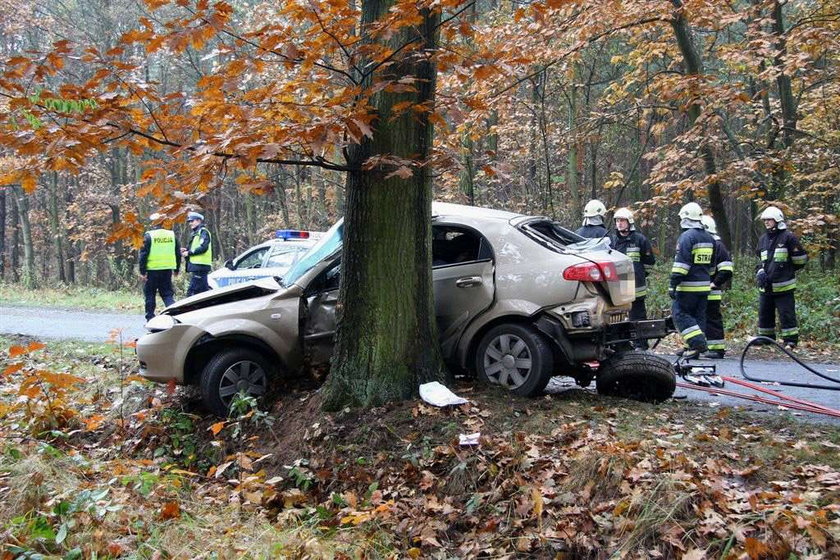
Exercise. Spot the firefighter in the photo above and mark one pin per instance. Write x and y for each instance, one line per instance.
(632, 243)
(781, 256)
(159, 257)
(690, 280)
(593, 220)
(721, 276)
(199, 254)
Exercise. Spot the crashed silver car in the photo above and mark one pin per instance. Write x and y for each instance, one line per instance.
(518, 299)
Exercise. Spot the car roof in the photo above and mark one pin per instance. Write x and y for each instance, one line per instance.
(443, 209)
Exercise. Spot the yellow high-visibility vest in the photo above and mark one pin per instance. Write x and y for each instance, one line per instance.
(205, 257)
(162, 250)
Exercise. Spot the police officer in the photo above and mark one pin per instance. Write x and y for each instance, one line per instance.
(159, 257)
(199, 254)
(593, 220)
(632, 243)
(781, 255)
(721, 276)
(690, 280)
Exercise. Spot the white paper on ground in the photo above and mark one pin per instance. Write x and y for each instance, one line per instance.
(437, 394)
(469, 439)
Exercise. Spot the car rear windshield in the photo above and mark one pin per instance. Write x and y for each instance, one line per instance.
(554, 236)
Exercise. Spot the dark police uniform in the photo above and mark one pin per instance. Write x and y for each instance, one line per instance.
(690, 285)
(199, 260)
(638, 248)
(159, 256)
(781, 256)
(721, 275)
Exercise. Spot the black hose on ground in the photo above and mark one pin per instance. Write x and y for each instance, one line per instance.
(766, 340)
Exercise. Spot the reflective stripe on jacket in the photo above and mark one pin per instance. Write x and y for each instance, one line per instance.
(721, 272)
(693, 261)
(205, 257)
(781, 256)
(638, 248)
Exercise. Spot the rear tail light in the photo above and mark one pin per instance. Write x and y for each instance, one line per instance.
(591, 272)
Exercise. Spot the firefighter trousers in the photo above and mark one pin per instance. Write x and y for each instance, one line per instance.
(715, 336)
(783, 303)
(638, 312)
(689, 313)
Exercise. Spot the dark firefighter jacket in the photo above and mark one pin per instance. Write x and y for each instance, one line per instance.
(693, 261)
(781, 256)
(638, 248)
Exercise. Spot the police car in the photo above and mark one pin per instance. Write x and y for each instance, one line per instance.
(272, 258)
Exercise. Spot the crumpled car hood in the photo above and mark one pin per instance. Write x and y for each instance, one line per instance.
(235, 292)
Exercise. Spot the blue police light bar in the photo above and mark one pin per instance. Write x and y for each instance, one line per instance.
(291, 234)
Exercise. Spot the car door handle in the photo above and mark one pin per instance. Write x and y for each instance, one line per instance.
(468, 281)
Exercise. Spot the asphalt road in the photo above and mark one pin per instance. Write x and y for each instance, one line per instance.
(51, 323)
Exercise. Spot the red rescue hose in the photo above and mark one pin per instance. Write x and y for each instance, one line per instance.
(787, 402)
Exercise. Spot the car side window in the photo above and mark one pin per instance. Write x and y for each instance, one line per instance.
(253, 259)
(453, 245)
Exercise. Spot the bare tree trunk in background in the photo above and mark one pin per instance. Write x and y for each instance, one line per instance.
(694, 68)
(55, 226)
(3, 255)
(28, 270)
(466, 178)
(573, 157)
(786, 99)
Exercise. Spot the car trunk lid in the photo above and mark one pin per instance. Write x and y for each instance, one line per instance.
(610, 270)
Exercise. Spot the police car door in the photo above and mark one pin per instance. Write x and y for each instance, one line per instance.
(462, 270)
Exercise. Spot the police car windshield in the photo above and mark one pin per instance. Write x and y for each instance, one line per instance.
(326, 246)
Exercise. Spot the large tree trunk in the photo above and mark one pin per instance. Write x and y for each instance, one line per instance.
(694, 68)
(387, 338)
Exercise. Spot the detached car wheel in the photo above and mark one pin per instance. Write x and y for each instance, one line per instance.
(637, 375)
(230, 372)
(516, 357)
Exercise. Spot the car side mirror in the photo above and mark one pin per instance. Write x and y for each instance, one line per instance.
(229, 264)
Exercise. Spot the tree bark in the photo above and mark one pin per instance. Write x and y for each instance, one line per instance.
(27, 275)
(3, 234)
(694, 68)
(387, 340)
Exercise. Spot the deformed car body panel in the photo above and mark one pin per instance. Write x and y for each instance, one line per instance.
(509, 273)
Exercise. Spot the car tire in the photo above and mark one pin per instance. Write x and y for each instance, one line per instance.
(229, 372)
(637, 375)
(516, 357)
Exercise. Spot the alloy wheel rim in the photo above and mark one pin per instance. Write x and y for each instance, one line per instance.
(508, 361)
(243, 376)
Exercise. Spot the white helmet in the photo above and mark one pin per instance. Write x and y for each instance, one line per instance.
(691, 211)
(594, 208)
(709, 224)
(624, 213)
(772, 213)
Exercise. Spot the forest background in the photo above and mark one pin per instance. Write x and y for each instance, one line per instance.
(540, 106)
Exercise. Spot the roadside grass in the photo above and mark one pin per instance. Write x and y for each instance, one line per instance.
(73, 297)
(136, 471)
